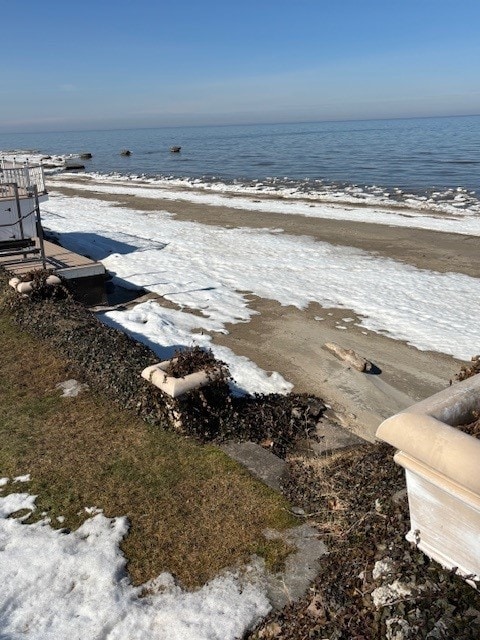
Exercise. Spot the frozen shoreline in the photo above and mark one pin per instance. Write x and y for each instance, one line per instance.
(185, 261)
(454, 200)
(351, 203)
(266, 290)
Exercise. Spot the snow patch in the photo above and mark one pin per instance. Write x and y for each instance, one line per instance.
(57, 585)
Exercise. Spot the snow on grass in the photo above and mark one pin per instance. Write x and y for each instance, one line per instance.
(25, 478)
(205, 268)
(59, 585)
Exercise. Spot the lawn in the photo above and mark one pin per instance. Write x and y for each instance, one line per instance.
(192, 511)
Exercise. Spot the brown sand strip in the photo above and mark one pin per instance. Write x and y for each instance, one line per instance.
(421, 248)
(291, 341)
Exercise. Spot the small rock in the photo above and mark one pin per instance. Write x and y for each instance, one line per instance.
(389, 593)
(382, 568)
(267, 443)
(315, 409)
(399, 496)
(71, 388)
(316, 608)
(397, 629)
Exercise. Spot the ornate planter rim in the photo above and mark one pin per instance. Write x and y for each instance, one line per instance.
(426, 433)
(443, 475)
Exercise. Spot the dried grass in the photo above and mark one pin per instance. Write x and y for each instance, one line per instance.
(192, 510)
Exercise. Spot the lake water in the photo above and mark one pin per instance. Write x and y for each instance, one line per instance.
(418, 156)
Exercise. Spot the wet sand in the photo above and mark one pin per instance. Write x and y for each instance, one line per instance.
(291, 341)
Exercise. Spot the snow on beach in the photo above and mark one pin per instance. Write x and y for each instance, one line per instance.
(57, 585)
(460, 214)
(204, 268)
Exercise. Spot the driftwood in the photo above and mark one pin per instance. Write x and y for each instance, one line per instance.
(350, 357)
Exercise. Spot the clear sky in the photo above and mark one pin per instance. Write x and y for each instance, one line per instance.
(125, 63)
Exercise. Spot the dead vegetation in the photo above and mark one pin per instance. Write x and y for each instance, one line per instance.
(187, 361)
(469, 370)
(373, 583)
(110, 360)
(473, 428)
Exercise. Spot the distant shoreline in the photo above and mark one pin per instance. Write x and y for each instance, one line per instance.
(236, 124)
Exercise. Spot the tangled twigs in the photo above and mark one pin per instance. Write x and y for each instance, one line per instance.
(469, 370)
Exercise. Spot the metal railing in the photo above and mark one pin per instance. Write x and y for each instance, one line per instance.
(24, 229)
(25, 178)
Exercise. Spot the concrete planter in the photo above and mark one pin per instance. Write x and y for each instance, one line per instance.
(175, 387)
(442, 469)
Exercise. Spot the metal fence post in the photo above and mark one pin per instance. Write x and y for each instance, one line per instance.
(39, 226)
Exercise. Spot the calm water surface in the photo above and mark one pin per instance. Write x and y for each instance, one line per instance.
(415, 154)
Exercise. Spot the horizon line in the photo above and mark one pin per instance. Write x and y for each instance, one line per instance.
(242, 124)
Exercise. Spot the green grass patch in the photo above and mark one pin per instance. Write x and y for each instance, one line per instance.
(192, 510)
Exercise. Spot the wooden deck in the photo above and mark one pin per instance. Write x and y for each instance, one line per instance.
(86, 277)
(65, 263)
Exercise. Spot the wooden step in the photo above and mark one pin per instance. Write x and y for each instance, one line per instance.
(20, 252)
(21, 243)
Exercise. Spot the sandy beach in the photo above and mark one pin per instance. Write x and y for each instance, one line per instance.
(291, 341)
(421, 248)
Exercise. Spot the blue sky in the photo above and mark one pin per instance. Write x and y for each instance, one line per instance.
(114, 64)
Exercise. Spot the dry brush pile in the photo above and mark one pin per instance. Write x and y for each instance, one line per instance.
(373, 584)
(111, 362)
(467, 371)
